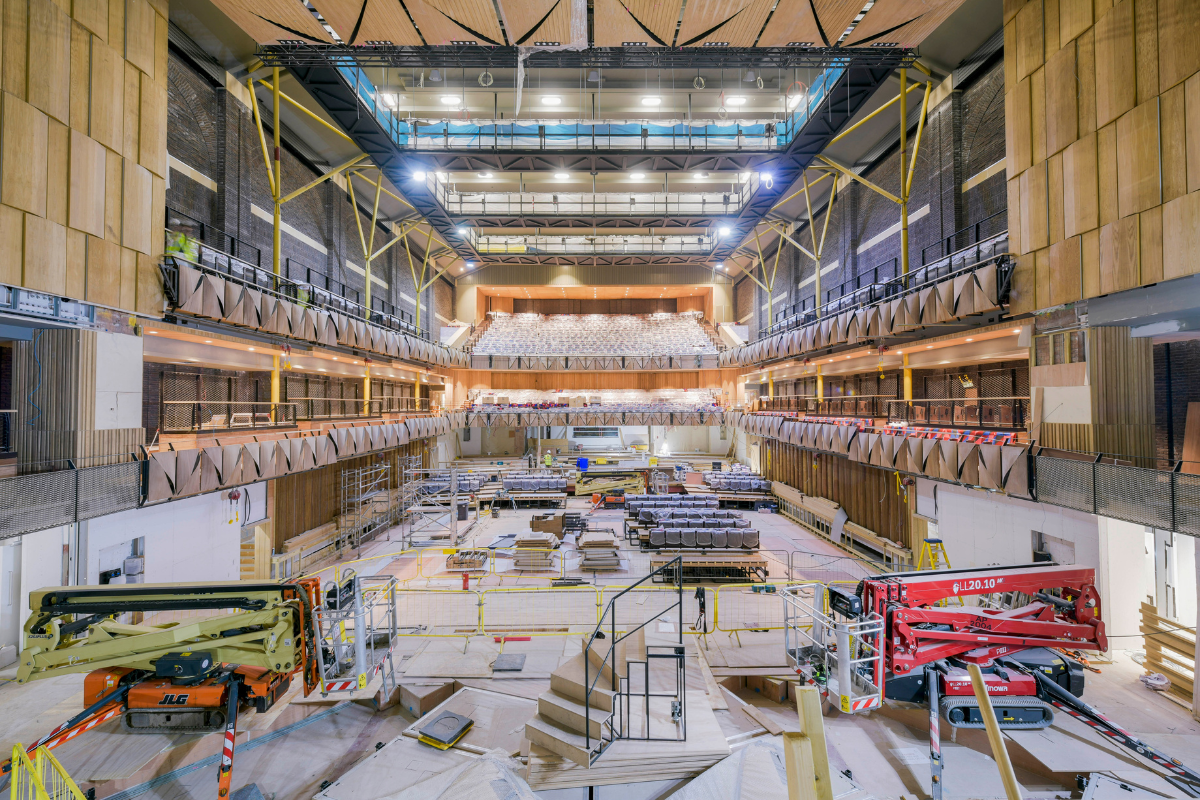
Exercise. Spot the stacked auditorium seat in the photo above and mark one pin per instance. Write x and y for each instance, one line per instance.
(699, 527)
(595, 334)
(634, 503)
(737, 481)
(525, 482)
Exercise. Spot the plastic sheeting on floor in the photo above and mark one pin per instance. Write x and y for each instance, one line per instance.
(755, 772)
(492, 776)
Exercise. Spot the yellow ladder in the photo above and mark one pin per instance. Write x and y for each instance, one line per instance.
(41, 777)
(934, 551)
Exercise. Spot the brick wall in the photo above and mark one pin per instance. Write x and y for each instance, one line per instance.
(1176, 383)
(963, 136)
(212, 132)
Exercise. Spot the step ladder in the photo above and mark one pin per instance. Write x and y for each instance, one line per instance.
(933, 551)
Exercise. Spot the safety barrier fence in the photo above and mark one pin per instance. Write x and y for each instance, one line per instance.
(40, 777)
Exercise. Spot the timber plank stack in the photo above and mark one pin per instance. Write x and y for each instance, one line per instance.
(533, 551)
(599, 549)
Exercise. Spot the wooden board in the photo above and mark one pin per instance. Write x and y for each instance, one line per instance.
(269, 21)
(900, 23)
(446, 21)
(794, 23)
(1138, 180)
(499, 719)
(373, 21)
(1181, 236)
(1062, 111)
(1080, 197)
(734, 21)
(25, 133)
(1115, 67)
(401, 763)
(530, 21)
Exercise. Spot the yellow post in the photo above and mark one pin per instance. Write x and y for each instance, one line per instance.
(907, 380)
(276, 242)
(771, 384)
(904, 171)
(820, 386)
(995, 737)
(367, 391)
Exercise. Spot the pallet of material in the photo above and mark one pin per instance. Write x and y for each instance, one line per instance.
(467, 560)
(534, 551)
(714, 568)
(599, 549)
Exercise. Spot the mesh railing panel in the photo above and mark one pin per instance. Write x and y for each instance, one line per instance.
(1066, 483)
(36, 502)
(1134, 494)
(1187, 504)
(108, 489)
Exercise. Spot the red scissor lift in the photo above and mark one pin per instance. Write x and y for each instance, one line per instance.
(898, 637)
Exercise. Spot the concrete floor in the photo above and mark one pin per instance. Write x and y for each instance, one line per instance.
(886, 751)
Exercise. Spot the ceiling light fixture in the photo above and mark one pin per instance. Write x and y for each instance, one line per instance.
(562, 176)
(483, 175)
(552, 100)
(251, 349)
(435, 75)
(970, 340)
(723, 231)
(749, 76)
(418, 176)
(637, 176)
(700, 175)
(451, 99)
(593, 77)
(651, 101)
(735, 101)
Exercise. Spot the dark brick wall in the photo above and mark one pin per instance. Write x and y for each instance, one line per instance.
(963, 136)
(214, 133)
(1176, 383)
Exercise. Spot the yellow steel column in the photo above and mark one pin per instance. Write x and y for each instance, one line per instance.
(771, 384)
(907, 379)
(276, 222)
(820, 386)
(903, 171)
(367, 392)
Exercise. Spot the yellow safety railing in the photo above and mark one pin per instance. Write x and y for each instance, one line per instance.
(437, 612)
(750, 606)
(536, 611)
(644, 604)
(41, 777)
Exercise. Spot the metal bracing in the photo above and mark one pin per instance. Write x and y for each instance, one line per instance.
(331, 85)
(432, 501)
(356, 629)
(367, 504)
(298, 53)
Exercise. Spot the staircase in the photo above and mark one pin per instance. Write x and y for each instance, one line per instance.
(563, 713)
(247, 571)
(713, 336)
(480, 329)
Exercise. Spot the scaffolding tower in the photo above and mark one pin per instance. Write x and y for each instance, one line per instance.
(432, 501)
(367, 504)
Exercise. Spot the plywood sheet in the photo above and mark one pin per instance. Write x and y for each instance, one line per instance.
(401, 763)
(1037, 105)
(1066, 280)
(139, 35)
(446, 21)
(57, 162)
(499, 719)
(50, 40)
(25, 135)
(1030, 45)
(1178, 34)
(45, 255)
(1172, 121)
(136, 208)
(1074, 17)
(1054, 197)
(270, 21)
(108, 92)
(794, 23)
(1150, 243)
(361, 21)
(1018, 118)
(1115, 67)
(1080, 195)
(531, 21)
(1034, 222)
(736, 22)
(103, 272)
(1090, 263)
(1106, 172)
(900, 23)
(1062, 110)
(1181, 236)
(1085, 59)
(446, 659)
(1138, 180)
(152, 138)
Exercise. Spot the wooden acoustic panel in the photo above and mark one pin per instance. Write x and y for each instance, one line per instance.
(362, 21)
(795, 22)
(446, 21)
(649, 21)
(736, 22)
(272, 21)
(531, 21)
(904, 22)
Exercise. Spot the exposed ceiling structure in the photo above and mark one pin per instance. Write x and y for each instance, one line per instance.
(728, 67)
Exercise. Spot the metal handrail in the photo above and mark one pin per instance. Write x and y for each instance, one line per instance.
(906, 411)
(276, 415)
(675, 564)
(306, 407)
(237, 244)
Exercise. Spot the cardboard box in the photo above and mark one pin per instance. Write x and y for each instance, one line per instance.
(419, 699)
(770, 688)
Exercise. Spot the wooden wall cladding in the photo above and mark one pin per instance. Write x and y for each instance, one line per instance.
(83, 149)
(1102, 127)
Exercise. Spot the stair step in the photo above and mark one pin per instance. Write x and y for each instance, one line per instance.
(568, 713)
(557, 739)
(569, 681)
(598, 654)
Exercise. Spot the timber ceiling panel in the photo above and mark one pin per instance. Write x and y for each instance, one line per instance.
(594, 292)
(361, 21)
(736, 22)
(795, 21)
(270, 21)
(530, 21)
(904, 23)
(446, 21)
(650, 21)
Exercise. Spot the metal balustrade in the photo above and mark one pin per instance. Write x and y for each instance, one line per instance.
(631, 244)
(980, 412)
(189, 416)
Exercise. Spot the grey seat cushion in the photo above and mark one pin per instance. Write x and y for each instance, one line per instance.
(719, 539)
(689, 538)
(750, 539)
(704, 537)
(733, 538)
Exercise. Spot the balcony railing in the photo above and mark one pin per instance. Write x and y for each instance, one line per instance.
(981, 412)
(584, 204)
(212, 236)
(189, 416)
(587, 134)
(590, 245)
(400, 405)
(598, 363)
(309, 408)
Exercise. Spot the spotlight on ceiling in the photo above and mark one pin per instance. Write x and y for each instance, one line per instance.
(637, 176)
(483, 174)
(462, 231)
(651, 101)
(700, 175)
(724, 231)
(552, 100)
(451, 100)
(562, 176)
(735, 101)
(418, 176)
